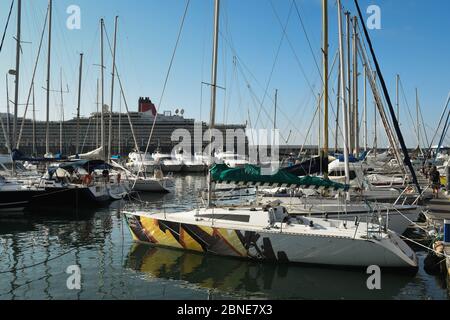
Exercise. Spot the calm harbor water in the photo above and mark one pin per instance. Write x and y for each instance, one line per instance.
(35, 252)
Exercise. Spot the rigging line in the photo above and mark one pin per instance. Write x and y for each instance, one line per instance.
(241, 62)
(408, 107)
(274, 62)
(296, 58)
(6, 26)
(123, 96)
(262, 108)
(167, 77)
(424, 124)
(32, 81)
(88, 68)
(86, 135)
(302, 69)
(254, 96)
(400, 138)
(439, 125)
(280, 109)
(162, 95)
(309, 129)
(307, 38)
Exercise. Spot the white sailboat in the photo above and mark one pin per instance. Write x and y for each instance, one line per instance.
(271, 235)
(157, 183)
(167, 162)
(140, 161)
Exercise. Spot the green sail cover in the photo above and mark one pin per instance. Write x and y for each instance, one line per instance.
(252, 175)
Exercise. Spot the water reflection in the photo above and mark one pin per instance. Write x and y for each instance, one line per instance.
(113, 267)
(243, 279)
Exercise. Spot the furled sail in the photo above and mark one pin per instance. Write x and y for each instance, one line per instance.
(251, 175)
(93, 155)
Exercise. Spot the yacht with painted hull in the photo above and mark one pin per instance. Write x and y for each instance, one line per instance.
(268, 235)
(273, 235)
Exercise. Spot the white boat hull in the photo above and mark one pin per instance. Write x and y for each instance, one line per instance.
(283, 243)
(152, 185)
(171, 167)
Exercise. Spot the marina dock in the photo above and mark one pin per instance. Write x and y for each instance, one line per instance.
(440, 211)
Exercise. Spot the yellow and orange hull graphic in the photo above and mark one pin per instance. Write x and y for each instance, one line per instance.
(225, 242)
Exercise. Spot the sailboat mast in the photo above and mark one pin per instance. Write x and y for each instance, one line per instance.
(213, 92)
(349, 81)
(79, 103)
(17, 71)
(102, 92)
(120, 127)
(338, 110)
(417, 115)
(112, 91)
(319, 125)
(375, 114)
(343, 93)
(355, 88)
(366, 145)
(47, 125)
(34, 123)
(275, 117)
(8, 116)
(61, 120)
(97, 103)
(325, 150)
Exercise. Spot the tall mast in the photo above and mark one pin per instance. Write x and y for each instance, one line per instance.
(47, 126)
(375, 114)
(102, 91)
(319, 124)
(61, 120)
(97, 103)
(417, 115)
(275, 117)
(112, 91)
(338, 110)
(325, 83)
(213, 92)
(120, 127)
(366, 145)
(355, 88)
(8, 118)
(79, 103)
(17, 71)
(343, 93)
(349, 82)
(34, 123)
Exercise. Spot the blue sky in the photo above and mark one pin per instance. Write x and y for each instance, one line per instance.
(411, 43)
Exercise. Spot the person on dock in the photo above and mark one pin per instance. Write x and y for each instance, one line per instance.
(435, 181)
